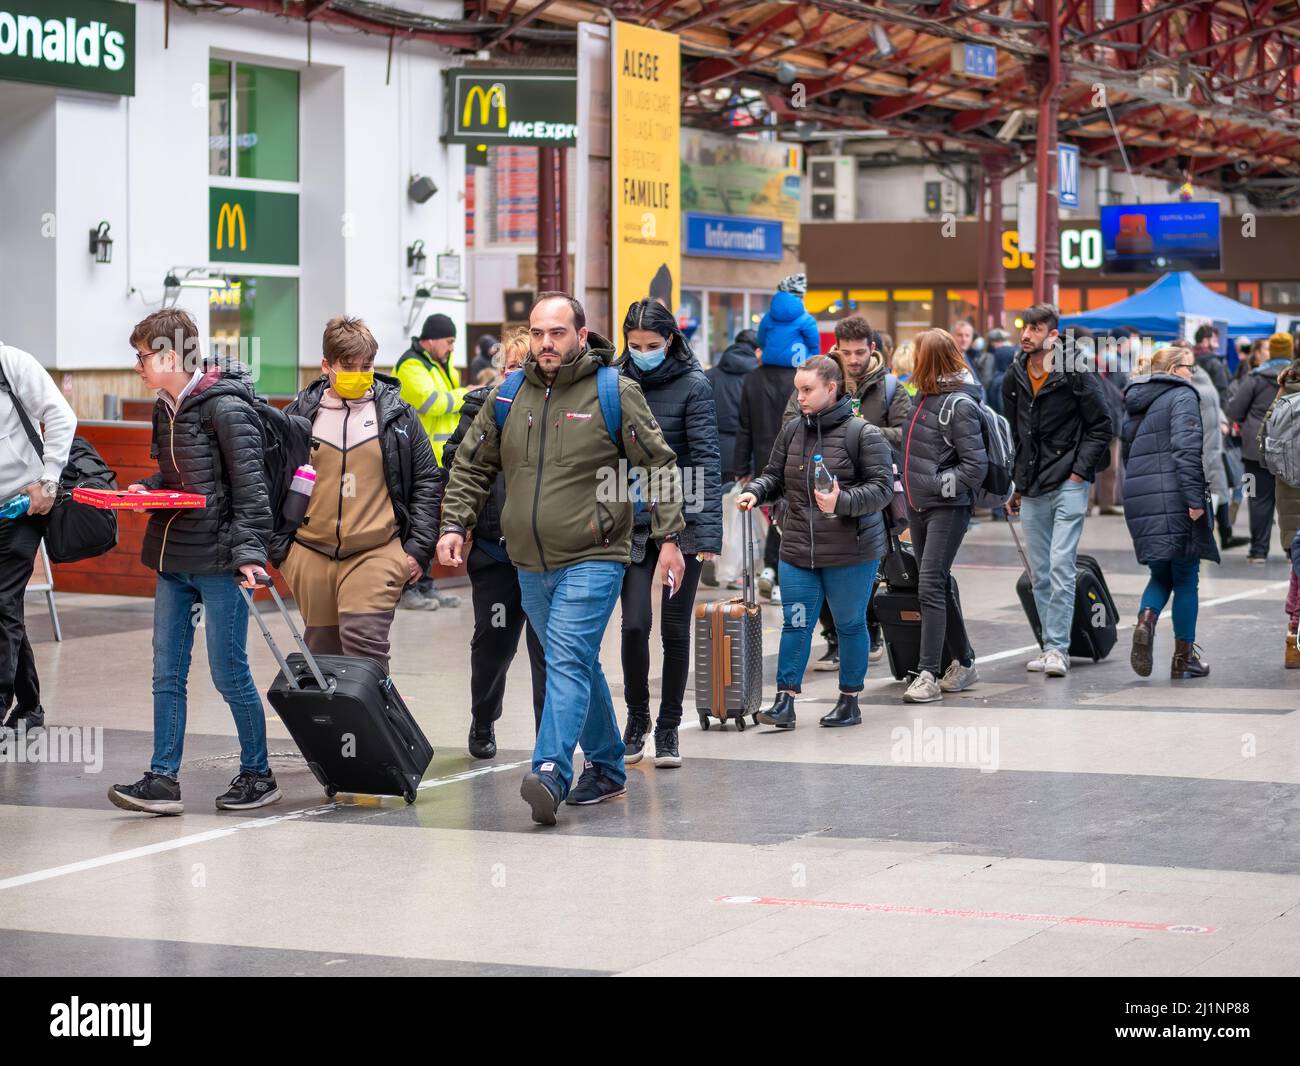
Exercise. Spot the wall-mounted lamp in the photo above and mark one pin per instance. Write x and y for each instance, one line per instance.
(191, 278)
(420, 188)
(415, 258)
(101, 244)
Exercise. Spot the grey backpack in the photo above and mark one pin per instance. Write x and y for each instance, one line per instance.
(1279, 439)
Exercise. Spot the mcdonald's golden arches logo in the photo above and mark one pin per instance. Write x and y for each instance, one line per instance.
(494, 94)
(227, 218)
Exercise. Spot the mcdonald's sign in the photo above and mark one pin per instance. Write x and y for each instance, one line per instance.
(247, 226)
(524, 107)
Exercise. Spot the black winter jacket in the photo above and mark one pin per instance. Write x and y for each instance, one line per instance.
(941, 464)
(855, 534)
(1213, 364)
(1066, 429)
(762, 404)
(728, 380)
(487, 530)
(414, 479)
(212, 445)
(1163, 471)
(1250, 403)
(681, 401)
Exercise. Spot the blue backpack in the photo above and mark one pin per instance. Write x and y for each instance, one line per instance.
(611, 406)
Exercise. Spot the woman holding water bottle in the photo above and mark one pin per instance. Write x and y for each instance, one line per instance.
(835, 473)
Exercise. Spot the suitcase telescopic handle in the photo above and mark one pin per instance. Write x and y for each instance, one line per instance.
(265, 579)
(1024, 559)
(748, 582)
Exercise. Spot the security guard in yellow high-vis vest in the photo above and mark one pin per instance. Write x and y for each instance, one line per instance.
(431, 384)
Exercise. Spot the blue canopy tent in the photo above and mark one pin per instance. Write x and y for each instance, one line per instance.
(1154, 311)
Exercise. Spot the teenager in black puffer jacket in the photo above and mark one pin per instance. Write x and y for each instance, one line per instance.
(1165, 499)
(833, 541)
(943, 460)
(207, 438)
(499, 615)
(658, 358)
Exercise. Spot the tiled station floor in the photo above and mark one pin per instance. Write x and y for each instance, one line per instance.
(1100, 824)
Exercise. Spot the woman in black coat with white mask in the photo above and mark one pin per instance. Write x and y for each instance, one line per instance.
(680, 397)
(1166, 503)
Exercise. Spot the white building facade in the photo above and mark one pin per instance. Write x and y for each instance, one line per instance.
(236, 160)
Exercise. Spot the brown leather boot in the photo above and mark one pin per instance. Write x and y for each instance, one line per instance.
(1292, 652)
(1187, 662)
(1144, 639)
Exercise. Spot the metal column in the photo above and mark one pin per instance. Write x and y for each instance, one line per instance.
(1047, 266)
(548, 252)
(995, 283)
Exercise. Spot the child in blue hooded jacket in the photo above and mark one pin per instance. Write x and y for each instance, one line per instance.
(787, 334)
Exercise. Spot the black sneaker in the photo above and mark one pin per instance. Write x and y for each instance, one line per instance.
(249, 790)
(152, 794)
(35, 719)
(541, 791)
(482, 740)
(666, 753)
(638, 725)
(829, 661)
(593, 787)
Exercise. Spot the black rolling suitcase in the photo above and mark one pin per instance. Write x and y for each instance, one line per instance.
(346, 717)
(1094, 629)
(729, 649)
(897, 607)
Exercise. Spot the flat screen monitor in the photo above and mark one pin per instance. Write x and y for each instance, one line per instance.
(1154, 238)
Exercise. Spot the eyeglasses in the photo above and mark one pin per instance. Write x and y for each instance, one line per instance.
(1185, 366)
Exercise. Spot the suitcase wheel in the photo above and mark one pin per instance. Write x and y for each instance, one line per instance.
(704, 722)
(331, 791)
(409, 796)
(740, 723)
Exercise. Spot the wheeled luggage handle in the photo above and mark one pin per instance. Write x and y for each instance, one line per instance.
(265, 579)
(1024, 559)
(748, 581)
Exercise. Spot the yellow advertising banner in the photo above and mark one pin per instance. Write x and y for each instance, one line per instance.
(646, 179)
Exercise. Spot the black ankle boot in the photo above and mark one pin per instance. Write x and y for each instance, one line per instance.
(845, 712)
(482, 740)
(781, 713)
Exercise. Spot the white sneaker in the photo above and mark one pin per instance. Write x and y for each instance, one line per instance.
(766, 580)
(925, 689)
(957, 678)
(1036, 666)
(1055, 664)
(776, 596)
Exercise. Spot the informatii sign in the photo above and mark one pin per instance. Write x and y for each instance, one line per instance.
(488, 106)
(79, 44)
(646, 174)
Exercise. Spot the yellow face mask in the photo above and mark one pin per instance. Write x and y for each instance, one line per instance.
(353, 384)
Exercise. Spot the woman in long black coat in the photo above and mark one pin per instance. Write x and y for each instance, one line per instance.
(1166, 503)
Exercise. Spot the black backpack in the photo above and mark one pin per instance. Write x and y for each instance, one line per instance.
(73, 531)
(286, 445)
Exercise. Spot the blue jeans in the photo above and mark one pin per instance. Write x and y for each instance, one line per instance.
(569, 609)
(225, 622)
(1181, 579)
(1053, 524)
(848, 590)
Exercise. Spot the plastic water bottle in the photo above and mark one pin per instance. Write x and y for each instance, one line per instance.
(299, 494)
(822, 480)
(16, 507)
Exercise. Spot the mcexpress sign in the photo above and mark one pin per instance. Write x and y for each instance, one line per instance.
(79, 44)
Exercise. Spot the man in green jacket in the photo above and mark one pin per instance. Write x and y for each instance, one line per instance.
(568, 523)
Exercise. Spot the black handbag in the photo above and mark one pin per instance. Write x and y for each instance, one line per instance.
(73, 531)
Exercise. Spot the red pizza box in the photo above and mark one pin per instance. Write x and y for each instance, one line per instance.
(121, 499)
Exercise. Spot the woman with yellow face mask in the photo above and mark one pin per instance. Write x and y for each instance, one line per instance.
(372, 520)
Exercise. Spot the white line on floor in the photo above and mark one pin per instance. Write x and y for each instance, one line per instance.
(276, 819)
(225, 831)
